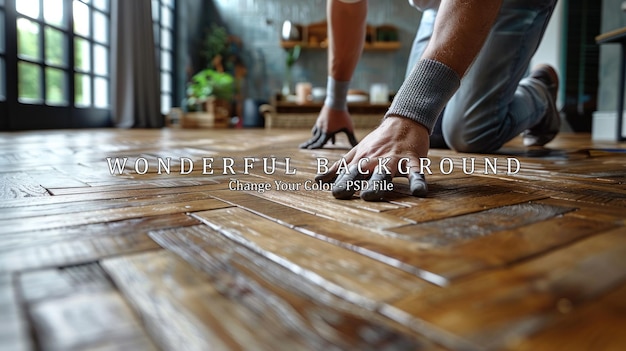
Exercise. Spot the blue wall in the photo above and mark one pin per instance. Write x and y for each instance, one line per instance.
(258, 23)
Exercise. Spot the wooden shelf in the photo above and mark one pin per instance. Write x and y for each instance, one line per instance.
(315, 37)
(316, 106)
(376, 46)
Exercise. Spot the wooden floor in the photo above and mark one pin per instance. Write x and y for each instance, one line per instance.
(90, 260)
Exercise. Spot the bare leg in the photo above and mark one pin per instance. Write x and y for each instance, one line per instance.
(346, 34)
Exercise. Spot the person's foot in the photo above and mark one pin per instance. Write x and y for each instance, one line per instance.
(549, 125)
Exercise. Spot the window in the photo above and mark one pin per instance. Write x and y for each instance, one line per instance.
(54, 63)
(163, 14)
(91, 53)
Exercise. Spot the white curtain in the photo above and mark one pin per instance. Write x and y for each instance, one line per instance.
(135, 81)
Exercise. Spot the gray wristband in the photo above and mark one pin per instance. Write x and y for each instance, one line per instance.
(425, 93)
(337, 94)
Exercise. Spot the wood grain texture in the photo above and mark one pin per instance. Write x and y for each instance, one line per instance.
(424, 210)
(469, 243)
(77, 207)
(81, 244)
(524, 261)
(17, 225)
(510, 246)
(451, 231)
(370, 242)
(15, 185)
(597, 325)
(14, 334)
(337, 210)
(225, 308)
(306, 304)
(342, 271)
(77, 308)
(495, 308)
(84, 321)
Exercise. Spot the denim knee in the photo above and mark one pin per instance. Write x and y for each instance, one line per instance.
(469, 137)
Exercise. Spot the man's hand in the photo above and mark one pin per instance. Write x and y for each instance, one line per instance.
(330, 122)
(396, 138)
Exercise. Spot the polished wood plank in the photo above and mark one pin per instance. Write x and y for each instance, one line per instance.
(15, 185)
(373, 243)
(423, 210)
(77, 308)
(14, 328)
(451, 231)
(349, 272)
(78, 207)
(537, 287)
(82, 244)
(17, 225)
(610, 214)
(105, 193)
(223, 310)
(337, 210)
(307, 303)
(597, 325)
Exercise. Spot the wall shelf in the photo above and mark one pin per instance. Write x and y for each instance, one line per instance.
(315, 37)
(376, 46)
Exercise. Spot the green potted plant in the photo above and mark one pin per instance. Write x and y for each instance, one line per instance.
(209, 95)
(210, 92)
(207, 84)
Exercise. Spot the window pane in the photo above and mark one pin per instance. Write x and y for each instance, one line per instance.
(166, 19)
(100, 28)
(82, 55)
(28, 39)
(101, 92)
(166, 82)
(56, 86)
(53, 12)
(166, 103)
(166, 60)
(82, 88)
(28, 8)
(81, 18)
(3, 81)
(169, 3)
(29, 82)
(56, 47)
(166, 39)
(101, 60)
(101, 5)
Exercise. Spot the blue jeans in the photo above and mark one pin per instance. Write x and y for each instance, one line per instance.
(495, 103)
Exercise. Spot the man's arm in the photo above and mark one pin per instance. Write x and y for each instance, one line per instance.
(460, 31)
(346, 35)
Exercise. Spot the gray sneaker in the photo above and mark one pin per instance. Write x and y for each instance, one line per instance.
(549, 125)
